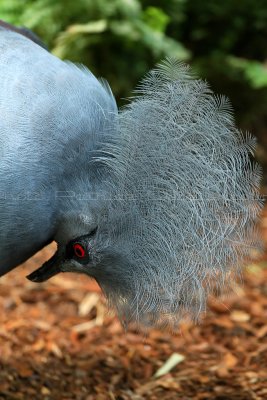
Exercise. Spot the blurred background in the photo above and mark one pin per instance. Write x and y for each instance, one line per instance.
(56, 340)
(120, 40)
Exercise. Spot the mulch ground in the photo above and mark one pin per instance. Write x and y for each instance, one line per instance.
(57, 342)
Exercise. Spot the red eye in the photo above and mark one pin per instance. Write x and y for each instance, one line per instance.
(78, 250)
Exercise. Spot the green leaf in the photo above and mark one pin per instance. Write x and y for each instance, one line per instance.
(254, 71)
(126, 29)
(156, 19)
(162, 45)
(90, 27)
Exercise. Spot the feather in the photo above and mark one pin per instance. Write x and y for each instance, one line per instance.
(186, 193)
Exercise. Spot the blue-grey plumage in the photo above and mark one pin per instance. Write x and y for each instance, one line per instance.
(23, 31)
(157, 202)
(52, 113)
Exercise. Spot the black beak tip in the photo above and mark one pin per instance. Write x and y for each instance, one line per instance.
(33, 277)
(47, 270)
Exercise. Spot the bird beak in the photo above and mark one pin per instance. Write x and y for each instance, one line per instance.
(47, 270)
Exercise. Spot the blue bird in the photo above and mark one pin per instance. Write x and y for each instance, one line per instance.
(158, 201)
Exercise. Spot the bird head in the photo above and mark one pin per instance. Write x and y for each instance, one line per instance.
(179, 206)
(76, 250)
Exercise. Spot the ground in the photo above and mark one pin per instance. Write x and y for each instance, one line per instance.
(58, 343)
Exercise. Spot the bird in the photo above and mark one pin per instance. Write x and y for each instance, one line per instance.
(157, 201)
(23, 31)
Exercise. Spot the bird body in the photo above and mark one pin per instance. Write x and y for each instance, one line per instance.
(158, 202)
(51, 113)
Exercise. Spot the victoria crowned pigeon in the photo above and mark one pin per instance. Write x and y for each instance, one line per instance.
(158, 202)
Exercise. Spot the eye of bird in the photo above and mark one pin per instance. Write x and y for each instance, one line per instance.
(79, 250)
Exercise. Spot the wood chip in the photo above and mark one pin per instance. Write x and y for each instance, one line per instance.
(239, 316)
(172, 361)
(88, 303)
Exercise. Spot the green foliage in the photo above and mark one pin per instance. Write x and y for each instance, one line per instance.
(117, 39)
(225, 41)
(254, 71)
